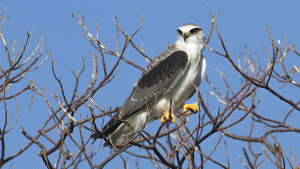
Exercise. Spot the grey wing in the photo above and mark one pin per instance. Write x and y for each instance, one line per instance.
(163, 71)
(155, 81)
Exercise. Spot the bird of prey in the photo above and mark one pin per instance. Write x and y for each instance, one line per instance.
(171, 75)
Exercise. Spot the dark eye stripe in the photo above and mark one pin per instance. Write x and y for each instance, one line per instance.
(195, 30)
(179, 32)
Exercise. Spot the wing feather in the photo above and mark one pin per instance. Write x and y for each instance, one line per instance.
(155, 81)
(165, 70)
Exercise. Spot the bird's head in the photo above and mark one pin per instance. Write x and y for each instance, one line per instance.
(190, 33)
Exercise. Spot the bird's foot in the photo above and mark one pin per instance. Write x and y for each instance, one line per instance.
(168, 117)
(190, 107)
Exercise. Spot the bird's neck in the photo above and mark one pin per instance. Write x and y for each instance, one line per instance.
(194, 49)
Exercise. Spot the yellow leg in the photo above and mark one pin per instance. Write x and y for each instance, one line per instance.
(192, 107)
(167, 117)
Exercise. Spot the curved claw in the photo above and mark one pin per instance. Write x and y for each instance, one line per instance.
(168, 117)
(192, 107)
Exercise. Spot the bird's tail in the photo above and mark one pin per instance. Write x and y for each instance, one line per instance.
(121, 136)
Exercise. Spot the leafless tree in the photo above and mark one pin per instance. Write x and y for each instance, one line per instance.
(66, 133)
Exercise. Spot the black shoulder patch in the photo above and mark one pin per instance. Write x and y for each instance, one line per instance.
(164, 70)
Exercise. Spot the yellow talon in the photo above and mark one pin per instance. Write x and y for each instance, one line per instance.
(192, 107)
(166, 117)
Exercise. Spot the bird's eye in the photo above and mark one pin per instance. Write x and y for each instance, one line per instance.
(179, 32)
(195, 31)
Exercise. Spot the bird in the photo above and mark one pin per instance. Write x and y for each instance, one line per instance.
(166, 83)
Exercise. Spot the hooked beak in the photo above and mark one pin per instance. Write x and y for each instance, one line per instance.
(185, 36)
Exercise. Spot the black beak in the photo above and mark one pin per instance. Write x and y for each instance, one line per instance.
(185, 36)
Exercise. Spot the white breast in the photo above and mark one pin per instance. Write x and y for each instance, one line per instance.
(184, 88)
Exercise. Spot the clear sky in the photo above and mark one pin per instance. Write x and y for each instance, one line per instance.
(240, 22)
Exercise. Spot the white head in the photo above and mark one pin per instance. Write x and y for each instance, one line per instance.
(190, 34)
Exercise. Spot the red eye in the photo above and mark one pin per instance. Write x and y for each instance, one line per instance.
(195, 31)
(179, 32)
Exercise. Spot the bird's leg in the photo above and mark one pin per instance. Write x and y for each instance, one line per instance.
(190, 107)
(168, 117)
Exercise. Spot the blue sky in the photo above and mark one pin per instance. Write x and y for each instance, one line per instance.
(240, 22)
